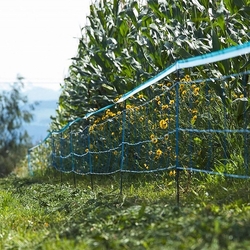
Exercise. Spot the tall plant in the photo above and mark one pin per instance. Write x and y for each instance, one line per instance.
(125, 44)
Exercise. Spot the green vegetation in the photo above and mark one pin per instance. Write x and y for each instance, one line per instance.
(149, 131)
(14, 141)
(127, 42)
(124, 45)
(41, 213)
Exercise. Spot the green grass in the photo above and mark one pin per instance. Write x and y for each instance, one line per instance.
(42, 213)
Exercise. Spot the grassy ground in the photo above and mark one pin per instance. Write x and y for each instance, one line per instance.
(43, 213)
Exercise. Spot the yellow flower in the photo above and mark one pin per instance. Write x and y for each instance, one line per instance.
(140, 96)
(164, 107)
(97, 121)
(163, 124)
(159, 102)
(196, 91)
(141, 118)
(156, 158)
(172, 173)
(158, 152)
(145, 166)
(241, 96)
(91, 128)
(86, 150)
(169, 84)
(109, 113)
(183, 92)
(157, 98)
(166, 136)
(182, 85)
(171, 102)
(154, 140)
(187, 78)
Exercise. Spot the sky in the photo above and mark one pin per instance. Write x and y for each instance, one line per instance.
(38, 38)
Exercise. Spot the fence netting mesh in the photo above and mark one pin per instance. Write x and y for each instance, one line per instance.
(185, 123)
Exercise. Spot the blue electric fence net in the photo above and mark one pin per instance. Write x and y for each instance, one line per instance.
(186, 123)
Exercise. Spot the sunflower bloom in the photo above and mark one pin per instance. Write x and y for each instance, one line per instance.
(184, 92)
(164, 107)
(163, 124)
(187, 78)
(196, 91)
(154, 140)
(157, 98)
(158, 152)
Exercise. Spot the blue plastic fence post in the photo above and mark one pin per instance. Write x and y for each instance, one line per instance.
(224, 137)
(29, 164)
(177, 174)
(90, 161)
(245, 133)
(209, 126)
(61, 159)
(72, 157)
(122, 144)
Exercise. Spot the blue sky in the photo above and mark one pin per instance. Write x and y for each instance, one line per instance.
(38, 38)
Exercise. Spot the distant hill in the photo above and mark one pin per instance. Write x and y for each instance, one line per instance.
(41, 94)
(47, 98)
(38, 128)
